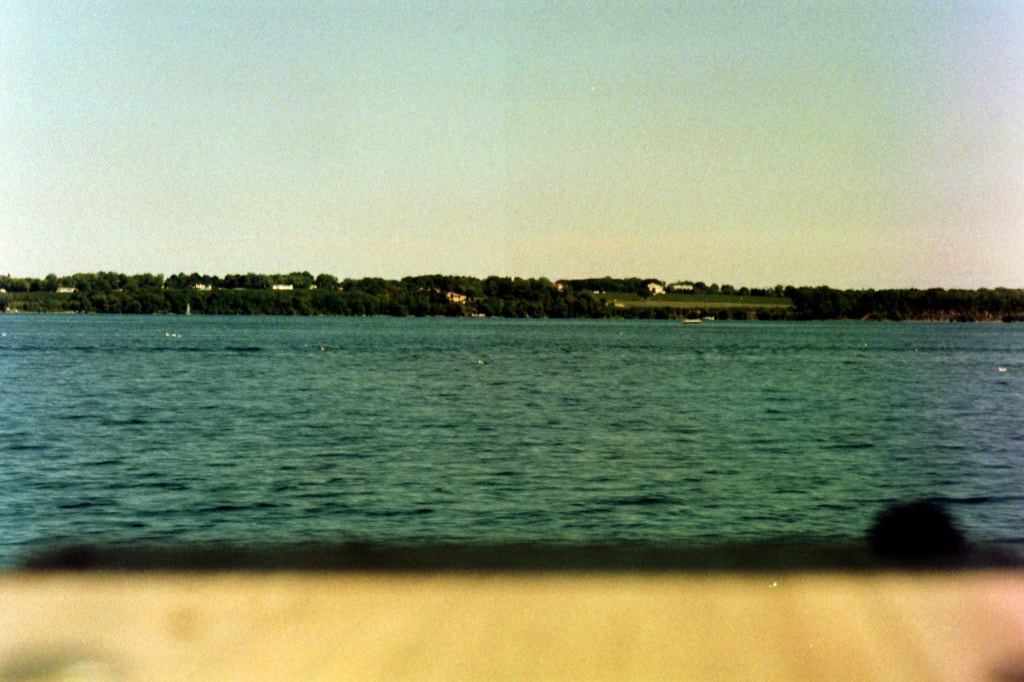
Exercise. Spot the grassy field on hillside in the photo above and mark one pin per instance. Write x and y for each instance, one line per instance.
(697, 301)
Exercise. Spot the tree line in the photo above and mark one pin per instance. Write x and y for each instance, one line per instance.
(453, 295)
(950, 305)
(254, 294)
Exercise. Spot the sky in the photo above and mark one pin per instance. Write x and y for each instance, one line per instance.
(854, 144)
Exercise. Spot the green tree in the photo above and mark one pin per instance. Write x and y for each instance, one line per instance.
(299, 280)
(324, 281)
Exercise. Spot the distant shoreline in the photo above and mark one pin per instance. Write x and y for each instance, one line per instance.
(499, 317)
(301, 294)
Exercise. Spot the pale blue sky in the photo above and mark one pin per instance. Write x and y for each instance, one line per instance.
(856, 144)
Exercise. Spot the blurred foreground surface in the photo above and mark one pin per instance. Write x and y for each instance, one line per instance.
(583, 615)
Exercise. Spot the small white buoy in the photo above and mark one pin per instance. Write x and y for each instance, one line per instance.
(1002, 369)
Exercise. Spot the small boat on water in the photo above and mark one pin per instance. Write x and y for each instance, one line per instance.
(691, 320)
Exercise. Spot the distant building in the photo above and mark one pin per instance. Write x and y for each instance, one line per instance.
(65, 290)
(284, 287)
(655, 288)
(202, 287)
(560, 286)
(456, 297)
(680, 287)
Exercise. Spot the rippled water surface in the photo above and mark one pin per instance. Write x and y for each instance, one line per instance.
(241, 429)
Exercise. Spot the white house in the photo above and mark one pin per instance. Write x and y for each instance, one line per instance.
(65, 290)
(455, 296)
(284, 287)
(655, 288)
(202, 287)
(680, 287)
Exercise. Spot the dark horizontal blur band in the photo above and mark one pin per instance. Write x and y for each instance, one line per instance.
(521, 557)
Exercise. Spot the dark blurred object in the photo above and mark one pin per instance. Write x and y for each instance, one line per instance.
(768, 555)
(919, 531)
(754, 557)
(919, 535)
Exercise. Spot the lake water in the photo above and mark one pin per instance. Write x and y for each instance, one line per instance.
(127, 429)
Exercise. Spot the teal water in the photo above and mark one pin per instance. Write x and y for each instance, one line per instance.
(128, 429)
